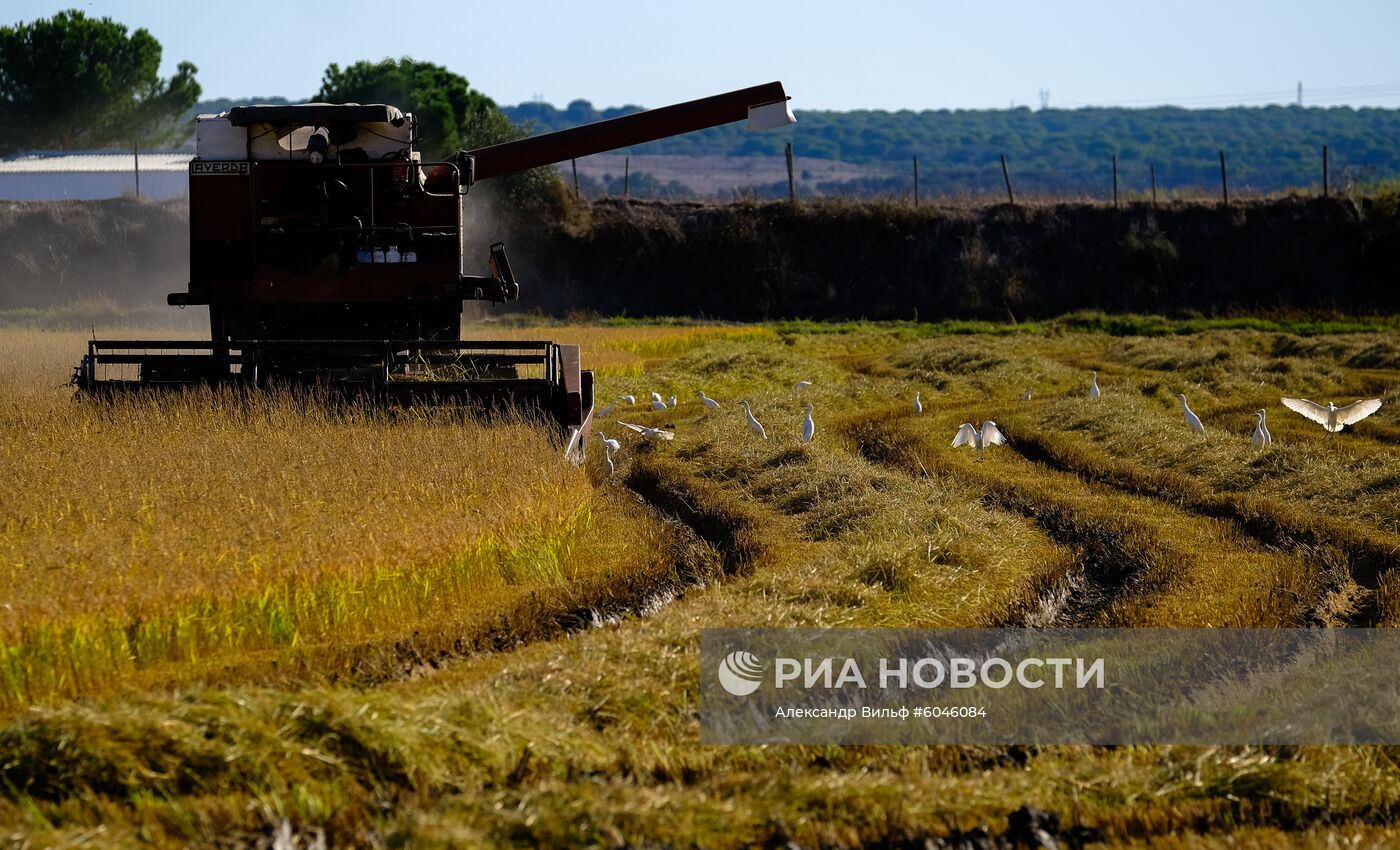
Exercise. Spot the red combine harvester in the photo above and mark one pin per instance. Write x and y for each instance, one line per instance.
(330, 255)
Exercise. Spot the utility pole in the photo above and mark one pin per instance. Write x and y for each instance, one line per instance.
(1224, 183)
(1006, 175)
(792, 188)
(1115, 181)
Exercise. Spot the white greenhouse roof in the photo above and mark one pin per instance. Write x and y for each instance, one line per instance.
(98, 162)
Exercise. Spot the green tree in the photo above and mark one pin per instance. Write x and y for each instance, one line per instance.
(451, 116)
(71, 81)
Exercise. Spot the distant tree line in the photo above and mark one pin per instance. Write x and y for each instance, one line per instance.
(76, 82)
(1061, 151)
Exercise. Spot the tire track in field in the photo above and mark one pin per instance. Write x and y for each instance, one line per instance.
(1102, 570)
(1365, 559)
(1127, 564)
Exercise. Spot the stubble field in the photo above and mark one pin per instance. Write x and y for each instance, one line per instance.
(224, 615)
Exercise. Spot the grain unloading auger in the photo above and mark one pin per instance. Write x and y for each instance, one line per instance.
(329, 254)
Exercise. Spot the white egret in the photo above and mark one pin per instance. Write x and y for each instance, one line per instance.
(607, 459)
(979, 439)
(1332, 417)
(1094, 385)
(613, 445)
(710, 404)
(754, 424)
(809, 428)
(651, 435)
(1261, 438)
(671, 402)
(655, 396)
(630, 399)
(658, 404)
(801, 385)
(918, 404)
(1026, 396)
(606, 411)
(1191, 418)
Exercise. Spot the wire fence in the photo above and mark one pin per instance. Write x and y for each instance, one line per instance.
(996, 178)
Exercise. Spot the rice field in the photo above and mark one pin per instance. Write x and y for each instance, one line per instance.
(227, 618)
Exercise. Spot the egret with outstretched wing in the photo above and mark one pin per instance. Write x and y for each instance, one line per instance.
(1332, 417)
(651, 435)
(979, 439)
(991, 435)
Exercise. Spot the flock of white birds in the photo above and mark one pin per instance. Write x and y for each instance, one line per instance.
(1329, 416)
(987, 434)
(808, 429)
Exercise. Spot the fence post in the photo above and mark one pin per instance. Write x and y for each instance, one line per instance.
(626, 175)
(574, 164)
(1324, 171)
(792, 189)
(916, 181)
(1152, 166)
(1006, 175)
(136, 159)
(1115, 181)
(1224, 182)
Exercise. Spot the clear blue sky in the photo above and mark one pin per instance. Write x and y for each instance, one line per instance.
(831, 55)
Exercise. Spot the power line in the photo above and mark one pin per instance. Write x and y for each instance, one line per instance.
(1332, 94)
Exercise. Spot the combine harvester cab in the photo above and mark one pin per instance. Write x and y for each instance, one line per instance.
(329, 254)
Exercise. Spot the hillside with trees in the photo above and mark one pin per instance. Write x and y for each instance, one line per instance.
(1269, 149)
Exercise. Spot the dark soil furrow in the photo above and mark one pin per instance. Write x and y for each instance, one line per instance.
(1114, 556)
(1368, 557)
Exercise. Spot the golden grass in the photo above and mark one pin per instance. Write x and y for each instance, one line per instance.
(158, 532)
(622, 350)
